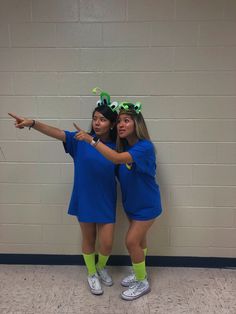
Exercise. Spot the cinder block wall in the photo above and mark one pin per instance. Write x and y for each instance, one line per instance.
(176, 56)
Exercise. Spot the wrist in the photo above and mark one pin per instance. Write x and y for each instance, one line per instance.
(95, 140)
(89, 139)
(32, 124)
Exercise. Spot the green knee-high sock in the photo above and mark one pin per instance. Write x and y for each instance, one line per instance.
(90, 263)
(145, 251)
(140, 270)
(102, 261)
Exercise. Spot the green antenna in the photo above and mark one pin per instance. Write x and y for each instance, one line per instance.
(104, 96)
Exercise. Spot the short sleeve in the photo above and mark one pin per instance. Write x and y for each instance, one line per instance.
(143, 154)
(70, 145)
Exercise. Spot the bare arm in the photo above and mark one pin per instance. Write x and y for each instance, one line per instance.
(107, 152)
(51, 131)
(115, 157)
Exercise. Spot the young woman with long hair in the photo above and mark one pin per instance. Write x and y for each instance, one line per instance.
(93, 203)
(140, 191)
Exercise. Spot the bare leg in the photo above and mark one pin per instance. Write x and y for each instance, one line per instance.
(144, 240)
(105, 236)
(89, 233)
(136, 238)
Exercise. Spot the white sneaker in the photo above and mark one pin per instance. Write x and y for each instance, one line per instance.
(95, 285)
(105, 277)
(136, 290)
(128, 280)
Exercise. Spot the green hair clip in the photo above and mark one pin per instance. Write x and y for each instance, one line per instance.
(137, 107)
(105, 99)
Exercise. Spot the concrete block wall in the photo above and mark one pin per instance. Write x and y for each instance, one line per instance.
(178, 57)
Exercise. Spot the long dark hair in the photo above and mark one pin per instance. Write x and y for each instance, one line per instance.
(109, 115)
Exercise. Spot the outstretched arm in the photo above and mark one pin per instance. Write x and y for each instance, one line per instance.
(107, 152)
(51, 131)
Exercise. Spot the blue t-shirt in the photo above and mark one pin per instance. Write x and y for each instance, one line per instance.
(140, 191)
(93, 197)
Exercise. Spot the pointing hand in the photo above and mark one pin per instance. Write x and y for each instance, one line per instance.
(81, 135)
(21, 122)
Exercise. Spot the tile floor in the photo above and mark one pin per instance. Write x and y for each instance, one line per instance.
(31, 289)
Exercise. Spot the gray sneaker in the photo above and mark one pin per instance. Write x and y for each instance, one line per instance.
(128, 280)
(95, 285)
(105, 277)
(136, 290)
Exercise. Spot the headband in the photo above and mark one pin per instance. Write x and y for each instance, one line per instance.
(105, 99)
(127, 105)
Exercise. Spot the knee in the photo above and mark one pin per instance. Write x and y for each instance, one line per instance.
(106, 247)
(88, 244)
(131, 243)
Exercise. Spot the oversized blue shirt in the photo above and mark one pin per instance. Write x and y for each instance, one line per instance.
(93, 197)
(140, 191)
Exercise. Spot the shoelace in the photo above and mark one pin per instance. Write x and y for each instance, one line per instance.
(132, 278)
(135, 287)
(104, 274)
(94, 282)
(133, 284)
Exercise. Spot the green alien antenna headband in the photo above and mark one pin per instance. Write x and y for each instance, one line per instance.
(137, 107)
(105, 99)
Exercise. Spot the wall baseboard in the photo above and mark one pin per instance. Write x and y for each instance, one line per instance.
(120, 260)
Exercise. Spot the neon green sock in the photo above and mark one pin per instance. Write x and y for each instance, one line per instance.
(140, 270)
(145, 251)
(90, 263)
(102, 261)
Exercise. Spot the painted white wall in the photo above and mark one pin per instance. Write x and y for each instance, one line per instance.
(178, 57)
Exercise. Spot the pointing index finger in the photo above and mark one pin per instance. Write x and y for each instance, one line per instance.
(13, 115)
(77, 127)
